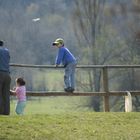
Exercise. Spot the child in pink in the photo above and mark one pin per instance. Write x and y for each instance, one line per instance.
(20, 92)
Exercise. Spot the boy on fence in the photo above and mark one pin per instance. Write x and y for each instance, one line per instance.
(69, 62)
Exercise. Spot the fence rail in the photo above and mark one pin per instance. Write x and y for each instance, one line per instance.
(105, 94)
(78, 66)
(61, 93)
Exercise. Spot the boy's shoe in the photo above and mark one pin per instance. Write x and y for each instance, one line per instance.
(69, 89)
(72, 89)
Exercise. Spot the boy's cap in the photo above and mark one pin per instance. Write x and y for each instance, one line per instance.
(58, 41)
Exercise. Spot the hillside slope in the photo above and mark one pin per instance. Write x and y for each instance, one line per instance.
(74, 126)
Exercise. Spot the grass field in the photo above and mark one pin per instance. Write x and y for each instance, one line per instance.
(52, 119)
(54, 105)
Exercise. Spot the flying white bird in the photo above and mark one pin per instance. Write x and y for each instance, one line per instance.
(35, 19)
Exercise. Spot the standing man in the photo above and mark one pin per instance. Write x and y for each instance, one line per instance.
(69, 62)
(5, 80)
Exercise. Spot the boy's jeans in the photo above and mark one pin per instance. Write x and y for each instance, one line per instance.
(69, 77)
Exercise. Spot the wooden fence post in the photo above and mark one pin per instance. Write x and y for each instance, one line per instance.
(106, 89)
(128, 102)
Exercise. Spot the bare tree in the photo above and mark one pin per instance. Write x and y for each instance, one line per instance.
(87, 26)
(94, 30)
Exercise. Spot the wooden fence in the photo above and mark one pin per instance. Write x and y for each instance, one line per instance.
(106, 92)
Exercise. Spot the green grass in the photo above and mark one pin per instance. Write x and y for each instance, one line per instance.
(64, 118)
(71, 126)
(54, 105)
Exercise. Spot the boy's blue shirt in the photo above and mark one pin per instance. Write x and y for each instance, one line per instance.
(64, 56)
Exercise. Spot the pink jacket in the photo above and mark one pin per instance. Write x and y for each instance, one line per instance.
(21, 93)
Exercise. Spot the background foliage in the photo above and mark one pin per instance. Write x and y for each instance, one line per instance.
(97, 32)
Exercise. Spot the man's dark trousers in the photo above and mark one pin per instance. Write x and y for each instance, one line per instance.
(5, 80)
